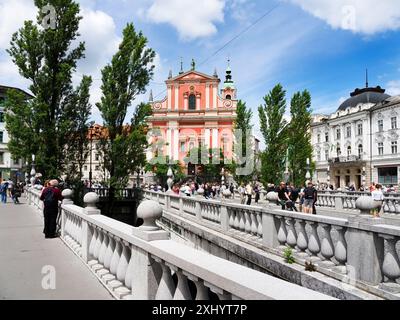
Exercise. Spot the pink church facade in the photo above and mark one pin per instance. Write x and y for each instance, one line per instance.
(194, 113)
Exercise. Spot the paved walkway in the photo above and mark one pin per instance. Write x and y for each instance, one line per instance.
(24, 253)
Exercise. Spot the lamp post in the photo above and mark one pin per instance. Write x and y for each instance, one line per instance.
(328, 179)
(33, 171)
(308, 174)
(26, 173)
(90, 157)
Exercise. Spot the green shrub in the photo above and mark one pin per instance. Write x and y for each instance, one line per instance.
(288, 255)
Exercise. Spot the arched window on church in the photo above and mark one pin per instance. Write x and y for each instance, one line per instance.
(228, 97)
(192, 102)
(349, 151)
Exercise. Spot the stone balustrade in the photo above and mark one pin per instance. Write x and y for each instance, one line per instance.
(359, 248)
(143, 263)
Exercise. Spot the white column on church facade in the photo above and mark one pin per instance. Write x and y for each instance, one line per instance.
(176, 98)
(198, 102)
(207, 137)
(214, 138)
(207, 96)
(186, 102)
(169, 141)
(215, 93)
(169, 97)
(176, 144)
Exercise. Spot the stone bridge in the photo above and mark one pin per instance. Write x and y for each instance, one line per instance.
(101, 258)
(356, 256)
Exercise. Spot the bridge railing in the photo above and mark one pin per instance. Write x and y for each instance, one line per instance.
(359, 247)
(143, 263)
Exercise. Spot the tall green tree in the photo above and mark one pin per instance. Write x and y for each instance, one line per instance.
(126, 77)
(299, 136)
(77, 118)
(47, 58)
(274, 130)
(243, 166)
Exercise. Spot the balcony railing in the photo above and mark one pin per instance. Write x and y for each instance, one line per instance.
(344, 159)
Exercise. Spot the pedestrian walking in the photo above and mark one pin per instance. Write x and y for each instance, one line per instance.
(3, 191)
(249, 193)
(378, 197)
(257, 193)
(242, 194)
(310, 198)
(50, 197)
(15, 193)
(283, 195)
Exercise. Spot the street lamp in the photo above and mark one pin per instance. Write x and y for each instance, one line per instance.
(308, 174)
(33, 171)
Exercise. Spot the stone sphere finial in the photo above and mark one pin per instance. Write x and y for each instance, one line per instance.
(91, 199)
(200, 192)
(272, 196)
(67, 194)
(365, 204)
(149, 211)
(227, 194)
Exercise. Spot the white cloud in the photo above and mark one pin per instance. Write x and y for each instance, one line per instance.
(191, 18)
(393, 87)
(13, 15)
(360, 16)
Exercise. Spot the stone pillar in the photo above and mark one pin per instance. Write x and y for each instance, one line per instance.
(67, 199)
(365, 249)
(270, 230)
(147, 272)
(224, 218)
(90, 200)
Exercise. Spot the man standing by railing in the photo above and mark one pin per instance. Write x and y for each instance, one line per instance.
(50, 197)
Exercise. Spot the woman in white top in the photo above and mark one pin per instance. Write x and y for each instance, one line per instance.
(377, 196)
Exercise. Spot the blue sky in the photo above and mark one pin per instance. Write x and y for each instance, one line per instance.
(320, 45)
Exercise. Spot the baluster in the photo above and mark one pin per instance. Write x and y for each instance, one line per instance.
(103, 248)
(391, 265)
(123, 262)
(291, 234)
(341, 250)
(392, 208)
(314, 245)
(202, 290)
(109, 252)
(97, 246)
(259, 226)
(282, 233)
(116, 257)
(92, 241)
(241, 221)
(66, 227)
(386, 206)
(166, 287)
(231, 213)
(182, 291)
(247, 225)
(327, 249)
(253, 218)
(397, 206)
(302, 239)
(130, 270)
(237, 220)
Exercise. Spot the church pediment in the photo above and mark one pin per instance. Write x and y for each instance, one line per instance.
(193, 76)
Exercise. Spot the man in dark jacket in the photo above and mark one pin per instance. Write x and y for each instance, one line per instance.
(50, 197)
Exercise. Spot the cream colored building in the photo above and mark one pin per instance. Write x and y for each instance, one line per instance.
(359, 143)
